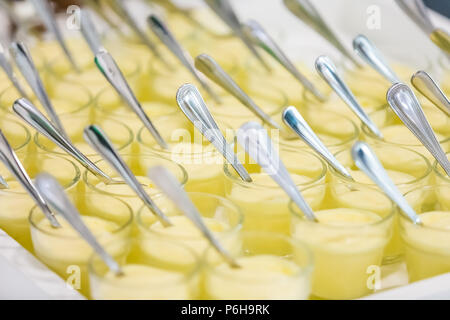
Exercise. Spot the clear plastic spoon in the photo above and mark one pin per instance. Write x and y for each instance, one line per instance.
(373, 57)
(423, 83)
(406, 106)
(366, 160)
(193, 106)
(100, 142)
(256, 142)
(31, 115)
(163, 33)
(13, 164)
(328, 72)
(58, 200)
(261, 38)
(293, 119)
(112, 73)
(209, 67)
(172, 189)
(26, 66)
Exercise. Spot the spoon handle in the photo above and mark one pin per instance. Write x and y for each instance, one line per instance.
(27, 68)
(210, 68)
(170, 186)
(261, 38)
(405, 104)
(31, 115)
(366, 160)
(441, 38)
(373, 57)
(166, 37)
(13, 164)
(44, 9)
(328, 72)
(416, 11)
(89, 32)
(293, 119)
(106, 64)
(55, 196)
(256, 142)
(305, 11)
(423, 83)
(224, 10)
(193, 106)
(6, 66)
(95, 136)
(123, 12)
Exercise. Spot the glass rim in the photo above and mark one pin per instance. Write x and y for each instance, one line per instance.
(229, 204)
(27, 132)
(438, 170)
(66, 187)
(424, 188)
(416, 180)
(60, 152)
(86, 173)
(294, 210)
(304, 270)
(120, 228)
(198, 266)
(227, 169)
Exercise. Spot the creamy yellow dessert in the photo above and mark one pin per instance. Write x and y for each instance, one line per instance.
(221, 216)
(349, 238)
(63, 249)
(15, 202)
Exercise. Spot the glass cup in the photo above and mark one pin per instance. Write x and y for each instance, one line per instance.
(15, 203)
(68, 98)
(202, 161)
(65, 252)
(441, 176)
(220, 215)
(355, 225)
(272, 267)
(139, 166)
(427, 247)
(337, 132)
(147, 280)
(17, 134)
(263, 202)
(396, 134)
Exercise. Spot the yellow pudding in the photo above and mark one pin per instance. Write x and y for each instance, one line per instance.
(63, 249)
(272, 267)
(427, 249)
(396, 134)
(17, 134)
(355, 224)
(15, 202)
(441, 175)
(145, 280)
(139, 167)
(337, 132)
(221, 216)
(263, 202)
